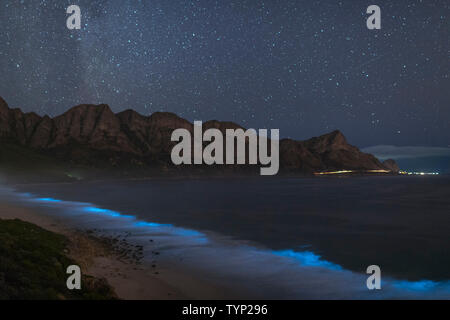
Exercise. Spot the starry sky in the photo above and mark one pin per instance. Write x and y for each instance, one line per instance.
(305, 67)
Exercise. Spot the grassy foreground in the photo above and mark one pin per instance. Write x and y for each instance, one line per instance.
(33, 265)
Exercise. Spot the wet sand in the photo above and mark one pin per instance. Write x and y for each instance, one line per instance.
(129, 279)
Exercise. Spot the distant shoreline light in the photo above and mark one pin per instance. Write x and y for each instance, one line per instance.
(376, 171)
(419, 173)
(351, 171)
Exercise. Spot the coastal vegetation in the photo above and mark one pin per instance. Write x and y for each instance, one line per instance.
(33, 264)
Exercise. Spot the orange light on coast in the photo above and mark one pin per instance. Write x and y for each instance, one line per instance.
(351, 171)
(334, 172)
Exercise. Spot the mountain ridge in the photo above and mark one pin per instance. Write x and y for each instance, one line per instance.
(95, 135)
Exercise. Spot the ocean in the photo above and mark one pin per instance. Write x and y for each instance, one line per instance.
(279, 238)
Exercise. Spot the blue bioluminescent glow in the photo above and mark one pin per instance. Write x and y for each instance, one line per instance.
(48, 200)
(422, 285)
(106, 212)
(26, 194)
(200, 237)
(151, 224)
(303, 258)
(188, 233)
(308, 258)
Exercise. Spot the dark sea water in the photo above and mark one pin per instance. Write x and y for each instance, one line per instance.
(332, 225)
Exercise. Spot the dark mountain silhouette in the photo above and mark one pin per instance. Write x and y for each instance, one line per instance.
(391, 165)
(94, 136)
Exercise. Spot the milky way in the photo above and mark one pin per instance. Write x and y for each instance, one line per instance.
(306, 67)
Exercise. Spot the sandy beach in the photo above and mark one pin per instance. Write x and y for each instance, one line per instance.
(130, 281)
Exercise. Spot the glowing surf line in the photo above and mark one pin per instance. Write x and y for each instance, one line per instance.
(308, 259)
(305, 258)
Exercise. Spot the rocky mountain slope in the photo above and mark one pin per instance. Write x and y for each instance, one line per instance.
(95, 136)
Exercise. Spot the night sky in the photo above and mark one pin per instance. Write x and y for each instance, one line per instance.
(305, 67)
